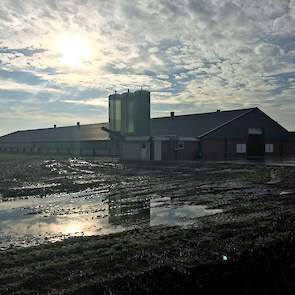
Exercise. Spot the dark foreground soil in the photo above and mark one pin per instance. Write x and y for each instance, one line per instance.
(247, 249)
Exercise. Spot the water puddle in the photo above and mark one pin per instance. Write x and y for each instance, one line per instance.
(31, 186)
(33, 221)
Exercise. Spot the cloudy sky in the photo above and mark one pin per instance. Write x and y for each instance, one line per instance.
(60, 59)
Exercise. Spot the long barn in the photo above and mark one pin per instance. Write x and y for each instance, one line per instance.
(229, 134)
(242, 133)
(87, 140)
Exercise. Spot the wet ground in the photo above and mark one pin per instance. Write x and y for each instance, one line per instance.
(81, 198)
(135, 220)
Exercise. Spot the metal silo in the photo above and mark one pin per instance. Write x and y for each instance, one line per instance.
(129, 113)
(115, 112)
(141, 112)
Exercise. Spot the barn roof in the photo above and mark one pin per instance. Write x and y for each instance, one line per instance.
(70, 133)
(196, 125)
(193, 125)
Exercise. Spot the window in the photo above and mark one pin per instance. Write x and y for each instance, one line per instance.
(241, 148)
(255, 131)
(269, 148)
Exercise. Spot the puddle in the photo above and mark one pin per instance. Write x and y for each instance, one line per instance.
(33, 221)
(32, 186)
(275, 178)
(286, 193)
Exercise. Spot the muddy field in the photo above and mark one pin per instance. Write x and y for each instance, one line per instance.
(102, 227)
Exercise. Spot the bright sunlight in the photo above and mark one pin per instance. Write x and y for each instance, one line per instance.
(76, 50)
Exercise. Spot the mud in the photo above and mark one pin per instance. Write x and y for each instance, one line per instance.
(146, 229)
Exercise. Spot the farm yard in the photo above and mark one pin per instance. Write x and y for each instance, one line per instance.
(100, 226)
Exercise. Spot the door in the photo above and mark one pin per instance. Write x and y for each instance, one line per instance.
(255, 143)
(143, 151)
(157, 150)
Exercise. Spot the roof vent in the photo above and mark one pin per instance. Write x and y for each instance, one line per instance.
(218, 111)
(78, 124)
(172, 114)
(54, 126)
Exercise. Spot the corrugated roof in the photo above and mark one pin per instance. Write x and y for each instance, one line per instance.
(70, 133)
(195, 125)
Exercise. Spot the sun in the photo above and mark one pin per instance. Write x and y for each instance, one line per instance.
(75, 50)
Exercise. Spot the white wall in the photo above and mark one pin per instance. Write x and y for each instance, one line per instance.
(134, 150)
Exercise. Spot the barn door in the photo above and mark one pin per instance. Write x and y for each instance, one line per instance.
(255, 143)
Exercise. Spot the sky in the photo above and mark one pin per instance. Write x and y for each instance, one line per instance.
(60, 59)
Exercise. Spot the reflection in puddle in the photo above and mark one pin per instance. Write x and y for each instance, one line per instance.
(128, 212)
(182, 215)
(33, 221)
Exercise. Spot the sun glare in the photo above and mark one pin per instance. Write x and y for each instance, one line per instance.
(75, 50)
(72, 228)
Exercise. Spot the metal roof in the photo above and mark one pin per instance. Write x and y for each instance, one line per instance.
(196, 125)
(70, 133)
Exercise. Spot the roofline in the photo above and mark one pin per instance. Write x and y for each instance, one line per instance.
(277, 123)
(187, 115)
(242, 115)
(247, 111)
(50, 128)
(228, 122)
(102, 123)
(57, 141)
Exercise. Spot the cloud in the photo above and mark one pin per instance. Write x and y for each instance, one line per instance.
(101, 102)
(194, 55)
(10, 85)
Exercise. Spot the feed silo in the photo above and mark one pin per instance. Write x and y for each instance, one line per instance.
(115, 116)
(141, 110)
(129, 113)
